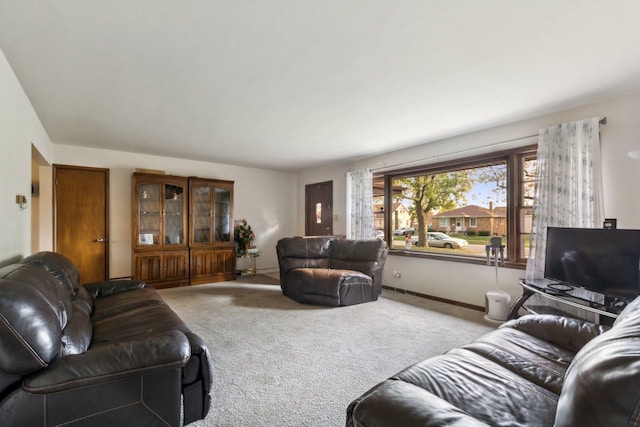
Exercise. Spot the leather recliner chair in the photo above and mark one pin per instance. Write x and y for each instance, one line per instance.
(331, 271)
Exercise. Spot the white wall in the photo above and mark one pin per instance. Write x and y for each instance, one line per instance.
(468, 283)
(20, 127)
(267, 199)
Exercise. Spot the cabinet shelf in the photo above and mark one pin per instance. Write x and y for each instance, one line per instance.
(177, 238)
(160, 253)
(211, 243)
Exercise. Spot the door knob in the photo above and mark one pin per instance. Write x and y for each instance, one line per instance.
(99, 240)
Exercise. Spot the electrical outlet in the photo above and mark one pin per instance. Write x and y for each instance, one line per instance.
(397, 274)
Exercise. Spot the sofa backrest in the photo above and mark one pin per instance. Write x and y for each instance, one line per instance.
(36, 277)
(59, 266)
(299, 252)
(44, 313)
(601, 384)
(30, 325)
(365, 256)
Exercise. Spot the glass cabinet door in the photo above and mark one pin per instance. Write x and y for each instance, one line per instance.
(149, 212)
(173, 220)
(222, 215)
(201, 214)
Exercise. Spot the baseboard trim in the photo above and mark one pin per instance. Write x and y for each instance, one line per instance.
(431, 297)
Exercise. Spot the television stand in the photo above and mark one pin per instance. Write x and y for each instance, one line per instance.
(577, 297)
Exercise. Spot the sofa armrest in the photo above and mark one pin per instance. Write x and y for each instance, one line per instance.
(567, 332)
(110, 287)
(196, 381)
(397, 403)
(112, 361)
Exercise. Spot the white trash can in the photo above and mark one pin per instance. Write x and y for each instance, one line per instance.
(497, 305)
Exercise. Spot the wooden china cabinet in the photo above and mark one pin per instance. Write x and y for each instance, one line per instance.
(160, 251)
(182, 230)
(211, 246)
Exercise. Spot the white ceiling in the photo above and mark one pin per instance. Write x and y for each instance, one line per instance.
(294, 84)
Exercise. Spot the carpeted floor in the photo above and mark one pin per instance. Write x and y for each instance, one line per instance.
(280, 363)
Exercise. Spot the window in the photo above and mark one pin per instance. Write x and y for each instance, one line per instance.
(456, 207)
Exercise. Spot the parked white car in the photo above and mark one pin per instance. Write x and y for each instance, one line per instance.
(437, 239)
(403, 231)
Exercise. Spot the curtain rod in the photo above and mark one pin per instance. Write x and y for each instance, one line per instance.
(603, 121)
(453, 153)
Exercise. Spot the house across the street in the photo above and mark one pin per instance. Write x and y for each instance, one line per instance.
(478, 219)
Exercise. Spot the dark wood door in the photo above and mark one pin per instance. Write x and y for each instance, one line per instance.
(81, 219)
(319, 209)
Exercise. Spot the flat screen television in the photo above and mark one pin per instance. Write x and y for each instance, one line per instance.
(600, 260)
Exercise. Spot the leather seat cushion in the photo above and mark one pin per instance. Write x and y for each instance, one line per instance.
(539, 361)
(325, 285)
(485, 390)
(115, 304)
(136, 323)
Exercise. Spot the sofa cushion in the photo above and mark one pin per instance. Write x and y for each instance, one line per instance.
(484, 390)
(604, 375)
(327, 286)
(45, 284)
(360, 255)
(567, 332)
(30, 332)
(59, 266)
(396, 403)
(112, 287)
(76, 336)
(84, 301)
(539, 361)
(123, 302)
(135, 323)
(301, 252)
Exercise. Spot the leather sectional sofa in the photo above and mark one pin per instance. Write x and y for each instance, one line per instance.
(331, 271)
(538, 370)
(109, 353)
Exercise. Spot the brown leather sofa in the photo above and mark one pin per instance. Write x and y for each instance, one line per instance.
(539, 370)
(109, 353)
(331, 271)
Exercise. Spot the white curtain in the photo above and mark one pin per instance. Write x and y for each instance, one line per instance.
(568, 190)
(360, 204)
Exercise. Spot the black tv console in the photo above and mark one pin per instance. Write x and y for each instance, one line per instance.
(583, 299)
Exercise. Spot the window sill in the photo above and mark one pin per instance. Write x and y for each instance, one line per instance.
(452, 258)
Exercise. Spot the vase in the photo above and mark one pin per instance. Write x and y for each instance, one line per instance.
(243, 245)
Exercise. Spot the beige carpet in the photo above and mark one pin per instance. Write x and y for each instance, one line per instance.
(280, 363)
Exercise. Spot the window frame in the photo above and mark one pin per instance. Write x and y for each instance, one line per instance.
(513, 158)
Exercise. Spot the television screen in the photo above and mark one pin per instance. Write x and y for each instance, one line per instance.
(601, 260)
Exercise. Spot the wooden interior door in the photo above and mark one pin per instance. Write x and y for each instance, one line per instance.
(81, 230)
(319, 209)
